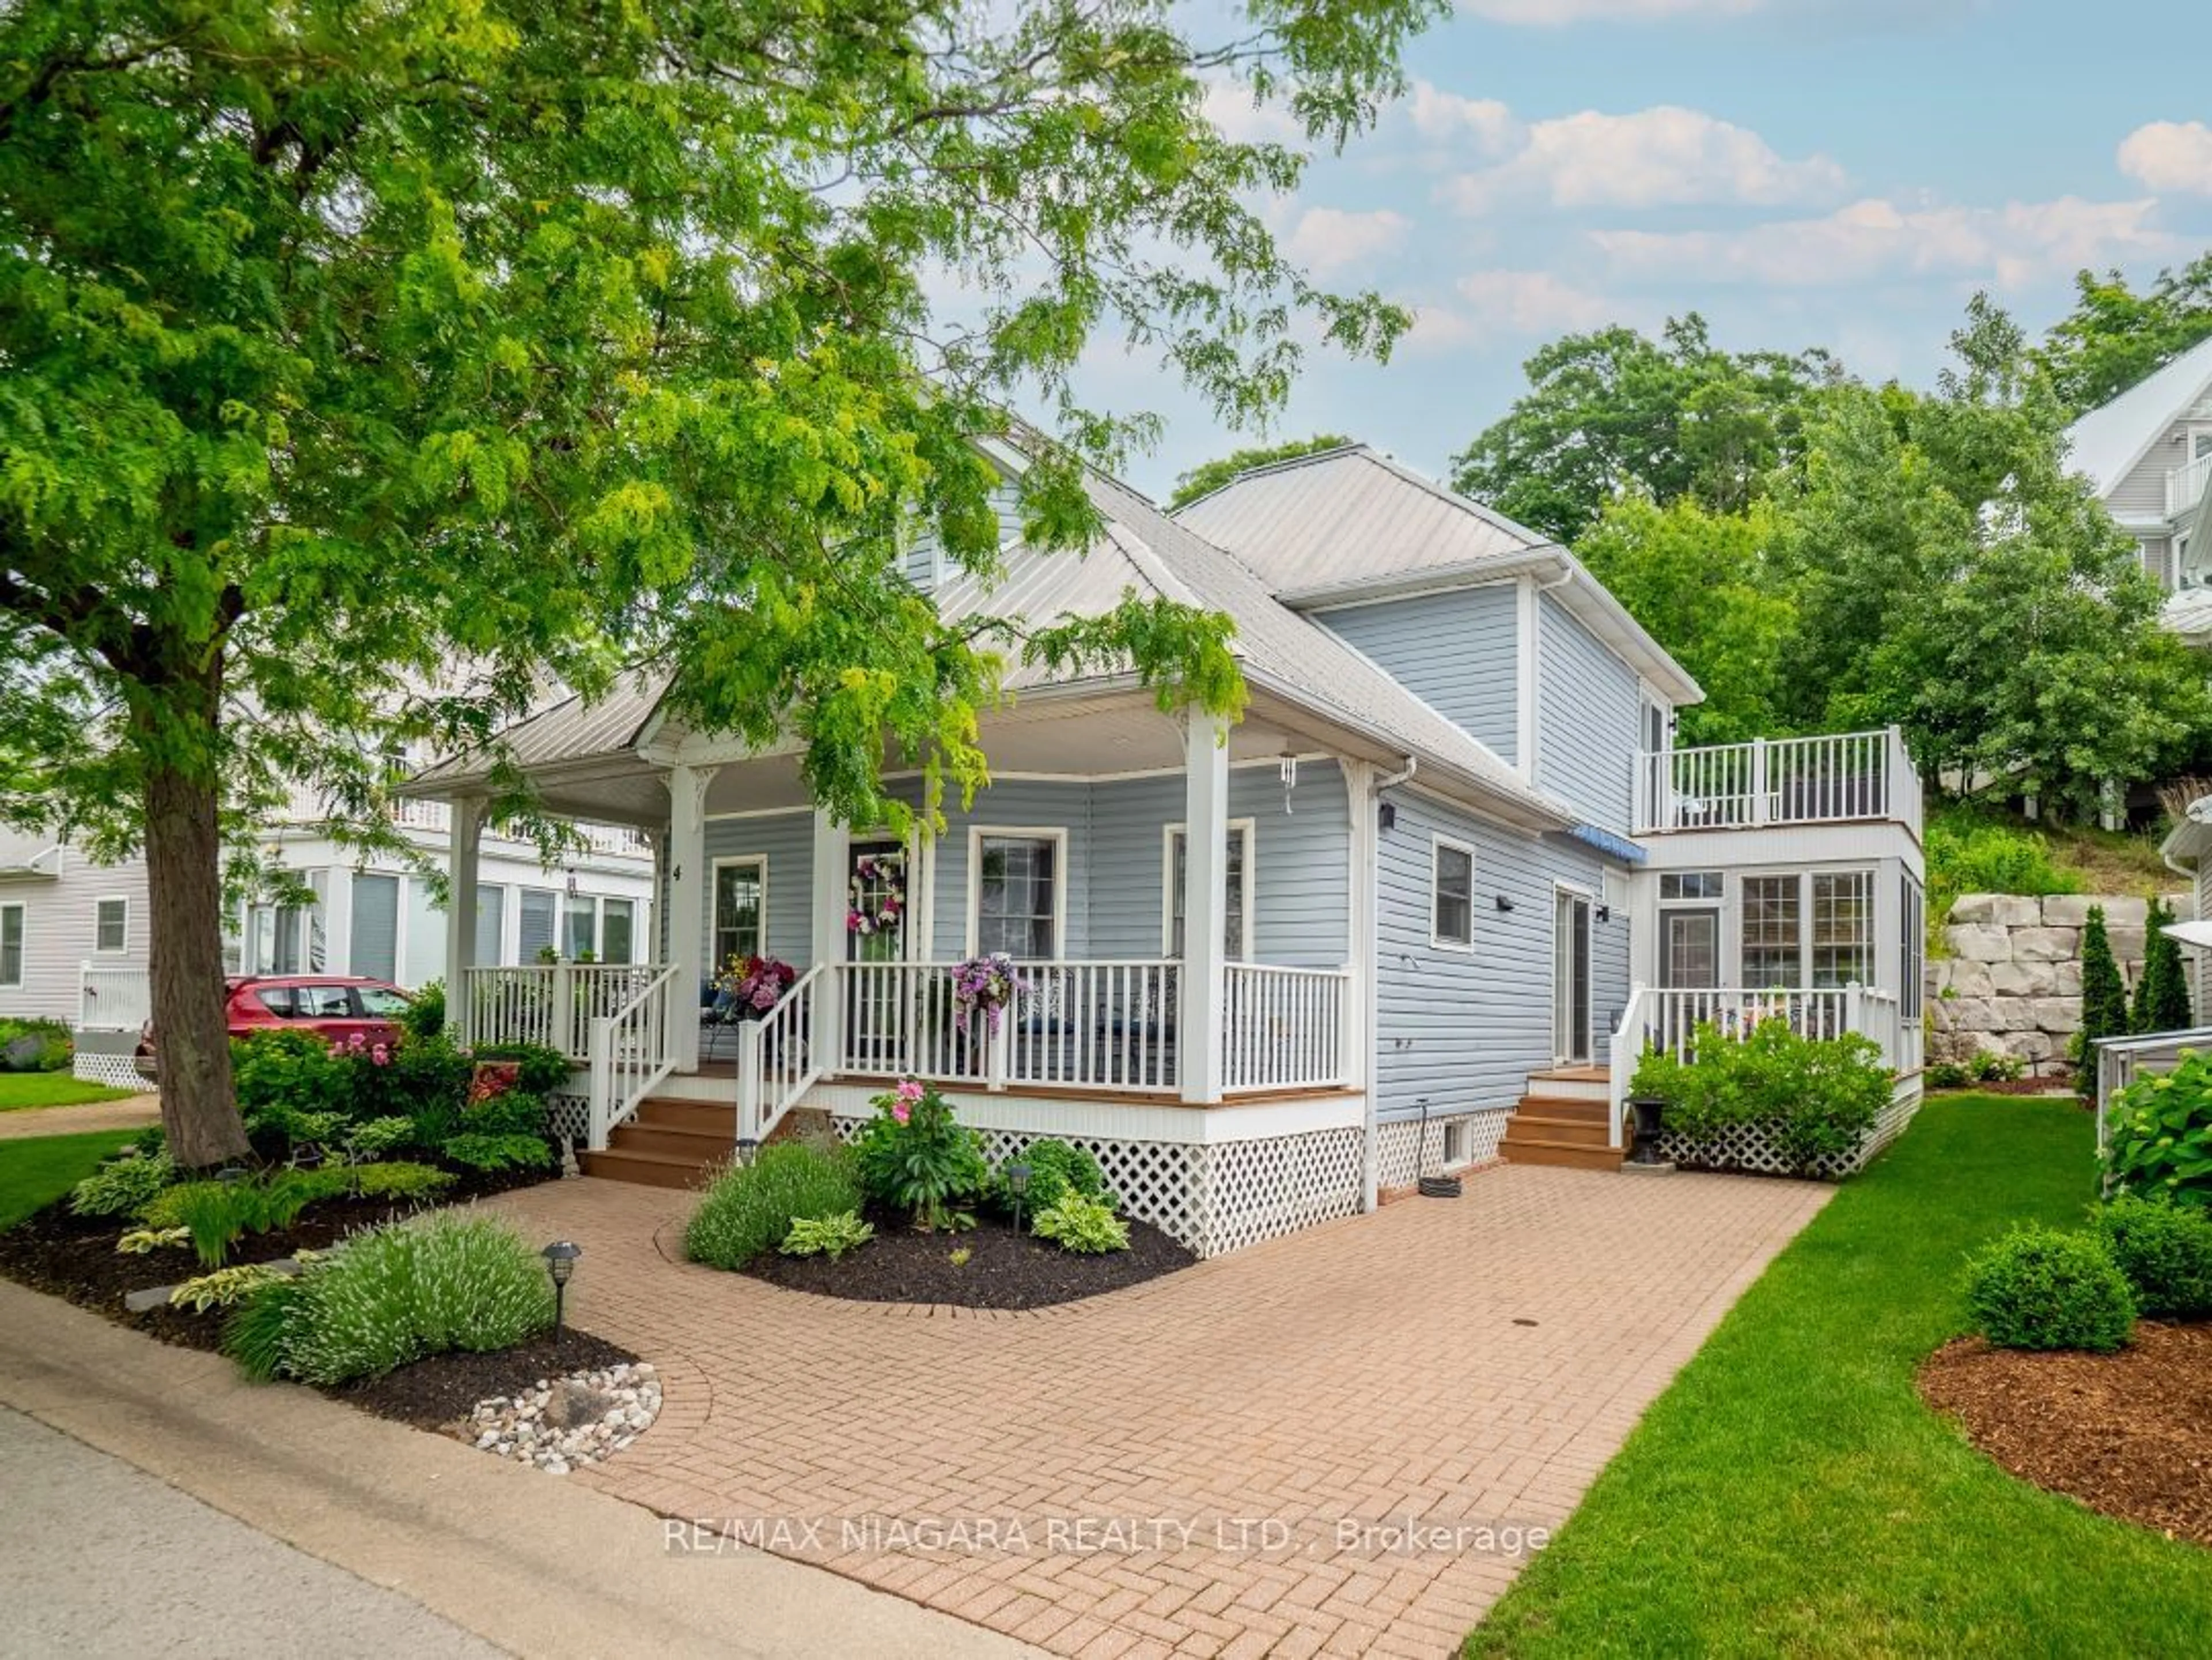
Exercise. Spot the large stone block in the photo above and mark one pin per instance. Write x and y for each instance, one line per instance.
(1976, 1014)
(1966, 979)
(2019, 1014)
(2046, 944)
(2067, 981)
(2031, 1045)
(1979, 943)
(2004, 911)
(2058, 1014)
(2023, 979)
(2127, 946)
(2071, 911)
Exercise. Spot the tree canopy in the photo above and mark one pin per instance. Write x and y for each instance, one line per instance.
(1210, 475)
(367, 368)
(2115, 337)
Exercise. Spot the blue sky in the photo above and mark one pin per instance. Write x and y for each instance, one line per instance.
(1834, 173)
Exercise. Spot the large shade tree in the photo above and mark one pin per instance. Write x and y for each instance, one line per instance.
(367, 368)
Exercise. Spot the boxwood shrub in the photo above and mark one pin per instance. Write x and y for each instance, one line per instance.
(2165, 1250)
(2044, 1288)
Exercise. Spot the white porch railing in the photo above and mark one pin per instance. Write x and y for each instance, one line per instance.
(551, 1004)
(1283, 1028)
(1667, 1018)
(780, 1056)
(632, 1049)
(112, 998)
(2184, 485)
(1104, 1025)
(1836, 778)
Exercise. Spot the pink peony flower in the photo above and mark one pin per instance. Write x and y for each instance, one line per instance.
(381, 1054)
(909, 1090)
(901, 1111)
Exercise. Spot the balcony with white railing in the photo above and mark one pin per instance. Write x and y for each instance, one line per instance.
(2185, 486)
(1836, 778)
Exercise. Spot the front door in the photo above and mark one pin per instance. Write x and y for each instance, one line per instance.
(1571, 980)
(875, 938)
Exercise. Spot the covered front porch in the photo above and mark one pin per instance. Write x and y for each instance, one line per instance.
(1178, 898)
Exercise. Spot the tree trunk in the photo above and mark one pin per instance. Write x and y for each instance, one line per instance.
(184, 881)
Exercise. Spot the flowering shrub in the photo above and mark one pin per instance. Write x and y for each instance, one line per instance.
(914, 1155)
(756, 983)
(1814, 1096)
(2159, 1145)
(988, 983)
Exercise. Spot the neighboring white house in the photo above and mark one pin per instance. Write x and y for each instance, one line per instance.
(1429, 901)
(72, 933)
(2150, 454)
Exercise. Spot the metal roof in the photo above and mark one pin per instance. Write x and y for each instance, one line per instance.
(2108, 442)
(571, 729)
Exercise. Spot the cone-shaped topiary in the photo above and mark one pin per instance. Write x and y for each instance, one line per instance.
(2104, 998)
(2162, 995)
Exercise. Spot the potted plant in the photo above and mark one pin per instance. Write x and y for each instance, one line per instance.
(755, 984)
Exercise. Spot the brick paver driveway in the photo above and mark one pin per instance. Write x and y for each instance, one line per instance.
(1224, 1461)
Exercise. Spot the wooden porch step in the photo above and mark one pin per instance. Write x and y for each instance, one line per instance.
(1535, 1150)
(701, 1145)
(652, 1169)
(1569, 1130)
(1525, 1126)
(1573, 1109)
(1576, 1083)
(711, 1117)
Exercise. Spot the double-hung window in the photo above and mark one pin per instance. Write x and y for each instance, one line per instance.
(1018, 876)
(111, 927)
(740, 905)
(12, 945)
(1452, 885)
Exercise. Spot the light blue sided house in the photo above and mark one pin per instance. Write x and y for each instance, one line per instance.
(1450, 870)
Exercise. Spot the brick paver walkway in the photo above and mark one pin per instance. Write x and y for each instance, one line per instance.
(1464, 1366)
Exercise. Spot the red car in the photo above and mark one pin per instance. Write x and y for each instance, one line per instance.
(334, 1007)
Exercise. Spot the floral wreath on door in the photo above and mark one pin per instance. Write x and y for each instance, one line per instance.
(875, 899)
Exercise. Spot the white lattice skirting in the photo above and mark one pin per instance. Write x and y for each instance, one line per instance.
(116, 1071)
(569, 1116)
(1752, 1148)
(1213, 1197)
(1401, 1158)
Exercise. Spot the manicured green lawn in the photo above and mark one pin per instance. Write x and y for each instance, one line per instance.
(38, 1170)
(1789, 1493)
(51, 1089)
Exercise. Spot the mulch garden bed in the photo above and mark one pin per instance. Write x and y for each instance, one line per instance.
(2127, 1434)
(1004, 1269)
(2014, 1086)
(434, 1393)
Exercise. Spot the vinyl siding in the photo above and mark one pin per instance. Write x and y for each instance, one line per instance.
(60, 923)
(1457, 651)
(1587, 719)
(2140, 493)
(785, 840)
(1465, 1028)
(924, 565)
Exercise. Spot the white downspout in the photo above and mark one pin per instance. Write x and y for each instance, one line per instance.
(1371, 949)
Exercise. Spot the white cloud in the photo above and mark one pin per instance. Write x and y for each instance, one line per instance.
(1557, 12)
(2011, 245)
(1328, 240)
(1532, 302)
(2169, 155)
(1437, 330)
(1230, 107)
(1663, 156)
(1447, 117)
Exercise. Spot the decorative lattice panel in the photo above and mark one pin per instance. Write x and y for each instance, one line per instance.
(1752, 1148)
(1248, 1191)
(116, 1071)
(570, 1115)
(1400, 1158)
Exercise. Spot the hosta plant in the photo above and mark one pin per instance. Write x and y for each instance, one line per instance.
(1081, 1224)
(144, 1241)
(2159, 1136)
(827, 1236)
(225, 1287)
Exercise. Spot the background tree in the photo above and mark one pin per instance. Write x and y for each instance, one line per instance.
(2114, 336)
(2104, 1000)
(2162, 1001)
(1699, 582)
(368, 366)
(1210, 475)
(1613, 414)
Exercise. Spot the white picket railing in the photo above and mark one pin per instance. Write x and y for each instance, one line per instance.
(2185, 486)
(1283, 1028)
(780, 1056)
(110, 998)
(550, 1004)
(632, 1049)
(1835, 778)
(1104, 1025)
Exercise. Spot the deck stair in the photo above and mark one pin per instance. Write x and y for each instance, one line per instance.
(675, 1143)
(1564, 1119)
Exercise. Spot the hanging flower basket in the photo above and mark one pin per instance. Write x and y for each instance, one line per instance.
(988, 983)
(755, 984)
(875, 900)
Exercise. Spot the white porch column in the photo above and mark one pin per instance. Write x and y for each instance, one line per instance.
(1206, 901)
(464, 850)
(832, 854)
(1359, 995)
(687, 901)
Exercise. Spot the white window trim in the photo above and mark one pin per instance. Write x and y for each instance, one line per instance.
(1437, 844)
(1055, 833)
(123, 950)
(714, 867)
(1246, 828)
(22, 942)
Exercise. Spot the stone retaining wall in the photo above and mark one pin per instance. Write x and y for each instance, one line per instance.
(2012, 980)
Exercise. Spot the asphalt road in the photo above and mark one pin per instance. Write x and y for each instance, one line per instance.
(98, 1558)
